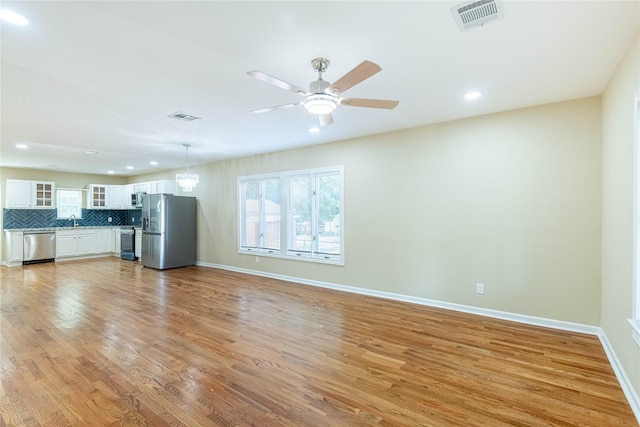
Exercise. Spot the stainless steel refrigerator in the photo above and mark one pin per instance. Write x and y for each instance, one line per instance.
(168, 231)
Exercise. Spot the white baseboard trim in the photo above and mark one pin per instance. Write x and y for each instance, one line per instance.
(623, 379)
(515, 317)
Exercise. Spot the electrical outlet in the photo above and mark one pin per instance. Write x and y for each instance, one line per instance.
(133, 219)
(109, 219)
(257, 259)
(480, 288)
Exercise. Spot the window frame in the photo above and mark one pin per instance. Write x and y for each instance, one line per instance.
(635, 321)
(285, 251)
(59, 201)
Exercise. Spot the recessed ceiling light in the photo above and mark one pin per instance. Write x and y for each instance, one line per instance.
(91, 152)
(153, 163)
(470, 96)
(130, 167)
(314, 129)
(110, 172)
(13, 17)
(22, 146)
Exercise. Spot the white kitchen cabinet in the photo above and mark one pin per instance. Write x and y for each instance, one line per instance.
(66, 243)
(76, 242)
(97, 197)
(118, 197)
(13, 247)
(130, 189)
(87, 242)
(116, 241)
(104, 241)
(141, 187)
(23, 194)
(102, 196)
(155, 187)
(167, 187)
(138, 243)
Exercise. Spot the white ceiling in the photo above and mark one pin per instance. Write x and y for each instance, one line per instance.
(104, 76)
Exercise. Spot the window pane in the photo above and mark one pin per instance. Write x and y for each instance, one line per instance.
(271, 191)
(250, 232)
(328, 193)
(69, 202)
(300, 231)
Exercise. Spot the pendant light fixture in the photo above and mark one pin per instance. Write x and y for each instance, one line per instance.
(187, 181)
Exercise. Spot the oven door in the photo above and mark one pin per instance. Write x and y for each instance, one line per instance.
(127, 239)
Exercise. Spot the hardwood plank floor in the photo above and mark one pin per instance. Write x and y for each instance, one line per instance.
(106, 342)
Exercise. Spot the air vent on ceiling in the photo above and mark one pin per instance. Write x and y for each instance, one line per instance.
(179, 115)
(476, 13)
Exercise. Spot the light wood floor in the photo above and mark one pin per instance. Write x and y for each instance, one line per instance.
(107, 342)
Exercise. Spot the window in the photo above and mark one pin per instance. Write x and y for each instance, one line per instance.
(293, 215)
(69, 202)
(260, 213)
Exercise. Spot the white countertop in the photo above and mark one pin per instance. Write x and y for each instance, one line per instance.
(70, 228)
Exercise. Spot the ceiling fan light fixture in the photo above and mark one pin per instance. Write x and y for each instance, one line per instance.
(319, 103)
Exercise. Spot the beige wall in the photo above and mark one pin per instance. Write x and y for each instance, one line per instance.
(617, 210)
(511, 200)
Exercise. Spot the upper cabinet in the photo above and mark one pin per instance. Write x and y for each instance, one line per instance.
(103, 196)
(97, 197)
(166, 187)
(155, 187)
(22, 194)
(118, 197)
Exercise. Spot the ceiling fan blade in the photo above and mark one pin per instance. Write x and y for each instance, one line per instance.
(277, 82)
(277, 107)
(363, 71)
(370, 103)
(325, 119)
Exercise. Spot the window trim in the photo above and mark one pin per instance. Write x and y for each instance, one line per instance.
(284, 252)
(635, 321)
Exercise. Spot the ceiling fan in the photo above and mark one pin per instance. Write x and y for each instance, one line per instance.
(323, 97)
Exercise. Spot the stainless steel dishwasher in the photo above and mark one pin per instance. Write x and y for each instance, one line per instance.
(39, 246)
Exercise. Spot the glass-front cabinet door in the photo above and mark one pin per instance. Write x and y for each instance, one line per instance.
(44, 194)
(98, 196)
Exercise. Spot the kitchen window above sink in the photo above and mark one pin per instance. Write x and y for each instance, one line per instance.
(69, 202)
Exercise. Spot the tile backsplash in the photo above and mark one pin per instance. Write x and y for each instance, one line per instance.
(46, 218)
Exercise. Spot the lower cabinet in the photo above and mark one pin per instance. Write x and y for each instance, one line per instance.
(104, 241)
(83, 242)
(86, 242)
(116, 241)
(13, 247)
(70, 243)
(66, 243)
(138, 244)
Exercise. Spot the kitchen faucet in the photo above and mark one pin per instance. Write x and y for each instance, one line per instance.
(73, 217)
